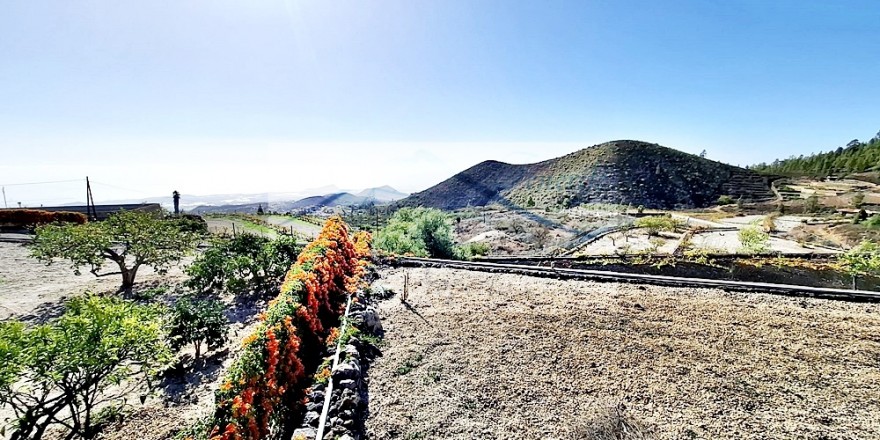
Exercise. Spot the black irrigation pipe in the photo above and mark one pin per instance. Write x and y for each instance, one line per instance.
(659, 280)
(537, 260)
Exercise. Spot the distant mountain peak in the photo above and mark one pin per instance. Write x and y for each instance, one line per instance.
(382, 194)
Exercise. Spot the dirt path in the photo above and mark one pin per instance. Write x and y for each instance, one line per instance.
(307, 229)
(478, 355)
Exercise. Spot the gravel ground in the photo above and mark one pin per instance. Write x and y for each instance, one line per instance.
(728, 241)
(634, 241)
(477, 355)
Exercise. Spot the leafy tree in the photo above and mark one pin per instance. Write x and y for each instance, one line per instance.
(861, 260)
(423, 232)
(59, 373)
(245, 262)
(754, 240)
(197, 322)
(129, 239)
(725, 200)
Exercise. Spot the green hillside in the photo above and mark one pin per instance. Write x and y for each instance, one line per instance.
(624, 172)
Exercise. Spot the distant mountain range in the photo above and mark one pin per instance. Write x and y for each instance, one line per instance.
(275, 201)
(621, 172)
(380, 195)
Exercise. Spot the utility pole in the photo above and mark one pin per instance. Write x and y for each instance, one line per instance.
(4, 198)
(91, 212)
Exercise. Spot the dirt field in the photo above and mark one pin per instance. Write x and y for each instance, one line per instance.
(29, 287)
(476, 355)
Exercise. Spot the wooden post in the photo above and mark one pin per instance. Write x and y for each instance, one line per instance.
(405, 287)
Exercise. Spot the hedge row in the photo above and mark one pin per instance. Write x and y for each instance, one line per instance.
(264, 386)
(33, 217)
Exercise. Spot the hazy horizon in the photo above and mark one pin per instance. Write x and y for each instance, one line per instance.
(211, 97)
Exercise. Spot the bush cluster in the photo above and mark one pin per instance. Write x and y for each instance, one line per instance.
(656, 224)
(34, 217)
(424, 232)
(247, 262)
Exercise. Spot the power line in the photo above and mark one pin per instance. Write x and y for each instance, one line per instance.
(117, 187)
(40, 183)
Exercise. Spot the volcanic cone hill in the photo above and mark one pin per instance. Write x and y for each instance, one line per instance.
(623, 172)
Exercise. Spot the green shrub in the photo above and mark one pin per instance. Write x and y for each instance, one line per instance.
(656, 224)
(754, 240)
(476, 249)
(57, 373)
(197, 322)
(246, 262)
(725, 200)
(423, 232)
(861, 260)
(191, 223)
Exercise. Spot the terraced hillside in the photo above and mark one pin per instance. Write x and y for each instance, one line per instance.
(625, 172)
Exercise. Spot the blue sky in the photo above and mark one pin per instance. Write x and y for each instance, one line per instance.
(216, 96)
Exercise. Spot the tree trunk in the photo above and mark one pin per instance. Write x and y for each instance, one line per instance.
(854, 282)
(128, 275)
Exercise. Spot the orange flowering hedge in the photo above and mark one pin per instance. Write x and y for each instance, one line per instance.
(266, 383)
(33, 217)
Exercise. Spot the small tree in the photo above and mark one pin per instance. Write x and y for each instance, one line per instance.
(812, 204)
(59, 373)
(754, 240)
(197, 322)
(861, 260)
(129, 239)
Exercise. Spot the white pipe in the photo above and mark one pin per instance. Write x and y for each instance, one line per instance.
(328, 392)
